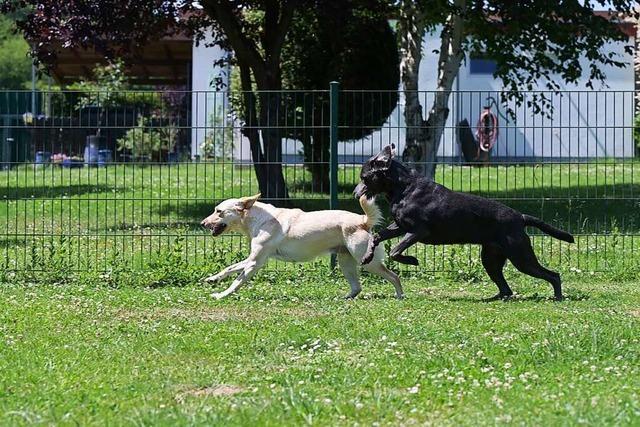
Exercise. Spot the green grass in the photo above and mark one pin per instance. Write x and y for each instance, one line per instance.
(103, 320)
(291, 351)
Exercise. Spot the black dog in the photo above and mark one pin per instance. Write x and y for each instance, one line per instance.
(427, 212)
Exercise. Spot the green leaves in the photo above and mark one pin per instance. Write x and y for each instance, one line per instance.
(15, 65)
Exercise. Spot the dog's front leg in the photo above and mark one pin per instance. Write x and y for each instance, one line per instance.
(261, 249)
(396, 253)
(390, 232)
(250, 267)
(226, 272)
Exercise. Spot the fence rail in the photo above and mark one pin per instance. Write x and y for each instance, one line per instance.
(90, 177)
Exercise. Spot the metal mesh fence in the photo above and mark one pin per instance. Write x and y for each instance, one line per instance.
(89, 177)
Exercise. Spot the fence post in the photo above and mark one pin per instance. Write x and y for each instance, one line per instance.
(334, 88)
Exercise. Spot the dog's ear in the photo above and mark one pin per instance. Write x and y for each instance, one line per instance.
(246, 202)
(383, 159)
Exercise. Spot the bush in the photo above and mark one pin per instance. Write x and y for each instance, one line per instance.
(142, 140)
(218, 143)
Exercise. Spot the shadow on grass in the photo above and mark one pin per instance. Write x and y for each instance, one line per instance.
(175, 227)
(521, 298)
(578, 214)
(13, 242)
(46, 192)
(196, 211)
(345, 189)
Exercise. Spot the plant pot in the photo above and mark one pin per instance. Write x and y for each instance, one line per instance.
(145, 158)
(42, 159)
(104, 158)
(173, 157)
(72, 163)
(91, 148)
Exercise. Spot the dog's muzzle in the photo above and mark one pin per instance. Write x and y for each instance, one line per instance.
(216, 229)
(360, 190)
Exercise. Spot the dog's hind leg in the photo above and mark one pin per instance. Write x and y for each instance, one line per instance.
(493, 260)
(349, 267)
(524, 259)
(358, 245)
(408, 240)
(392, 230)
(381, 270)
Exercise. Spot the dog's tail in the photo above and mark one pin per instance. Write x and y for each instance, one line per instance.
(546, 228)
(372, 212)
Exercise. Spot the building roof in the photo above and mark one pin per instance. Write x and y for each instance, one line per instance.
(161, 62)
(626, 24)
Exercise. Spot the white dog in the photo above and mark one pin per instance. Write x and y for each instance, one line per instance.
(294, 235)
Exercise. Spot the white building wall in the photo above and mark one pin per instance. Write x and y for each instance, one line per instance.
(584, 123)
(205, 102)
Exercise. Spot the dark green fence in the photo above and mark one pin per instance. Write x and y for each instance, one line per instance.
(131, 175)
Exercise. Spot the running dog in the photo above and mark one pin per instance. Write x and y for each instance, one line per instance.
(294, 235)
(426, 212)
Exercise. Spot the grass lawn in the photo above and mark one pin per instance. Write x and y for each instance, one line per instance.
(288, 350)
(103, 319)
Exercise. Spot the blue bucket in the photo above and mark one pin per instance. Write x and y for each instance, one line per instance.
(90, 155)
(43, 158)
(104, 158)
(173, 157)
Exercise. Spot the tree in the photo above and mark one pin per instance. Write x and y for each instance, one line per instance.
(350, 42)
(15, 65)
(118, 28)
(529, 40)
(259, 59)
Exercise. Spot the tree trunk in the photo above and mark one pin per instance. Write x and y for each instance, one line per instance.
(267, 163)
(250, 130)
(411, 30)
(315, 144)
(270, 106)
(423, 137)
(320, 166)
(265, 66)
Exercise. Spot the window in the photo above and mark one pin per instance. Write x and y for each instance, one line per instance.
(480, 65)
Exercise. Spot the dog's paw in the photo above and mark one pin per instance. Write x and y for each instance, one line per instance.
(411, 260)
(352, 295)
(499, 297)
(367, 258)
(213, 279)
(405, 259)
(218, 296)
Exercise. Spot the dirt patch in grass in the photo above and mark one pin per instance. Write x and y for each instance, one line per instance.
(211, 391)
(635, 313)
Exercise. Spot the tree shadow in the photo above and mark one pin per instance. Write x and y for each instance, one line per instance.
(585, 209)
(344, 188)
(187, 226)
(45, 192)
(197, 210)
(575, 209)
(13, 242)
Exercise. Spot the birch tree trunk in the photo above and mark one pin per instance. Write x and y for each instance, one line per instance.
(423, 136)
(411, 28)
